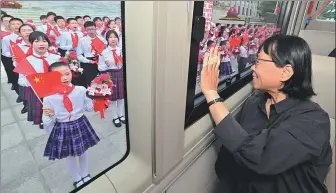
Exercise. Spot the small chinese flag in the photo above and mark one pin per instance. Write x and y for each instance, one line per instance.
(24, 67)
(45, 84)
(98, 45)
(17, 51)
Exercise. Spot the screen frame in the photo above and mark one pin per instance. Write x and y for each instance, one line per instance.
(195, 112)
(128, 149)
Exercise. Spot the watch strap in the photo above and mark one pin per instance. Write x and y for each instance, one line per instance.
(217, 100)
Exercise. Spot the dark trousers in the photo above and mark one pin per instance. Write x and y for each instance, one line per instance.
(90, 72)
(12, 76)
(62, 52)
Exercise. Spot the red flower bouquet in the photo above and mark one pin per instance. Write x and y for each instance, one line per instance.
(100, 90)
(11, 4)
(71, 59)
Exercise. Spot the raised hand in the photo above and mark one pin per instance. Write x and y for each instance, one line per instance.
(210, 71)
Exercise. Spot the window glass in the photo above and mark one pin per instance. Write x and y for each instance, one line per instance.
(237, 28)
(237, 33)
(81, 152)
(329, 13)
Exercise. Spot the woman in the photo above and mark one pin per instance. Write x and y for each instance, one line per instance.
(279, 142)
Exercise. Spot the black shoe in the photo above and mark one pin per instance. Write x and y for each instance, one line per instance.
(24, 110)
(18, 100)
(41, 126)
(9, 82)
(115, 123)
(12, 88)
(78, 183)
(122, 121)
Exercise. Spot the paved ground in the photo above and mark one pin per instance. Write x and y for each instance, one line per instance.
(23, 167)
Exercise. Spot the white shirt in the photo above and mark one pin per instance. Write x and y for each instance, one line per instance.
(107, 55)
(243, 52)
(5, 50)
(66, 40)
(44, 28)
(85, 48)
(37, 64)
(58, 39)
(80, 103)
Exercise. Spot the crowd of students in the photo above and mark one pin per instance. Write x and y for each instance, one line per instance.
(235, 42)
(62, 115)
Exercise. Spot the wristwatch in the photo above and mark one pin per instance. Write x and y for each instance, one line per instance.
(217, 100)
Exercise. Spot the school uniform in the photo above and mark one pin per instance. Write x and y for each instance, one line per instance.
(50, 30)
(69, 41)
(253, 50)
(71, 133)
(85, 54)
(7, 59)
(115, 70)
(243, 59)
(119, 35)
(40, 66)
(28, 50)
(225, 67)
(58, 39)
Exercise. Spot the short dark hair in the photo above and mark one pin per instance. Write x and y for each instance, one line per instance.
(2, 17)
(3, 12)
(43, 17)
(58, 17)
(15, 19)
(51, 13)
(37, 35)
(26, 25)
(89, 24)
(57, 64)
(70, 19)
(116, 18)
(86, 16)
(293, 50)
(109, 33)
(209, 43)
(96, 19)
(78, 17)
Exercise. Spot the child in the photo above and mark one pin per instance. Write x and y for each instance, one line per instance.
(69, 40)
(111, 63)
(25, 30)
(225, 66)
(40, 61)
(253, 50)
(71, 133)
(242, 61)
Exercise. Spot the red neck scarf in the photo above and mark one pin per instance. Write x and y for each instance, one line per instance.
(45, 62)
(74, 38)
(29, 51)
(65, 91)
(49, 28)
(117, 59)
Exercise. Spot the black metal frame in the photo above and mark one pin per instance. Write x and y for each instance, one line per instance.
(122, 7)
(195, 112)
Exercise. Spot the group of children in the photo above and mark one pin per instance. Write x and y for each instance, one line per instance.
(237, 42)
(62, 114)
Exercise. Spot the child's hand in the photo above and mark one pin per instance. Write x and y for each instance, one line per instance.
(48, 111)
(108, 63)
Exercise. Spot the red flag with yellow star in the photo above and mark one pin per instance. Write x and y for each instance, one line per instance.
(16, 51)
(45, 84)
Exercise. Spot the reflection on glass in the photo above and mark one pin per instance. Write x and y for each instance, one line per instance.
(237, 28)
(63, 147)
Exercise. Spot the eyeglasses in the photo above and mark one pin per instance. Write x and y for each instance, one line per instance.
(90, 29)
(259, 59)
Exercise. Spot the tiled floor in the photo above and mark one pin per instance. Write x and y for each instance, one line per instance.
(23, 167)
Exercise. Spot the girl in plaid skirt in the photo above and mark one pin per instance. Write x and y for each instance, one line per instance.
(70, 132)
(111, 63)
(25, 30)
(40, 60)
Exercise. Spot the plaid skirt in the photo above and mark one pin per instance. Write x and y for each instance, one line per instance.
(34, 107)
(70, 139)
(117, 77)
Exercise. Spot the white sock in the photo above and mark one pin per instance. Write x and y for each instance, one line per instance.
(121, 108)
(84, 164)
(71, 165)
(114, 108)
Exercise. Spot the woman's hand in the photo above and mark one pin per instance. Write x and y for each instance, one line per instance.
(210, 72)
(48, 111)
